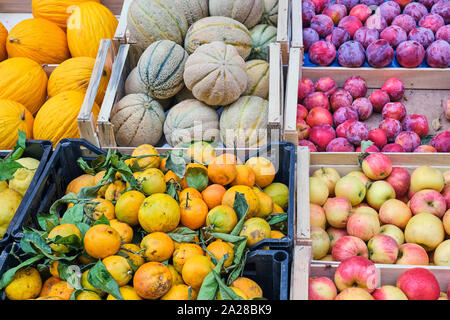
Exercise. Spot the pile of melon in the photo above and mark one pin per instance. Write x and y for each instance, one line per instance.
(62, 32)
(202, 73)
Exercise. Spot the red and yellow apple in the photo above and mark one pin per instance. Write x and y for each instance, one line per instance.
(429, 201)
(383, 249)
(356, 272)
(395, 212)
(419, 284)
(321, 288)
(442, 254)
(412, 254)
(351, 188)
(318, 191)
(363, 225)
(330, 176)
(400, 180)
(335, 234)
(317, 216)
(354, 294)
(347, 247)
(320, 242)
(361, 176)
(426, 230)
(394, 232)
(377, 166)
(337, 211)
(446, 222)
(426, 177)
(389, 293)
(378, 193)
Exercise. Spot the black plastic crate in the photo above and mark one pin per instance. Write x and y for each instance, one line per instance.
(269, 268)
(40, 150)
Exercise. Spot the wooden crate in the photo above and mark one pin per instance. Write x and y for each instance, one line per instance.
(303, 268)
(14, 11)
(126, 60)
(426, 90)
(345, 162)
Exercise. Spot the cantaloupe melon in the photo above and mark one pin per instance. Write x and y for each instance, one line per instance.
(191, 120)
(216, 74)
(270, 13)
(137, 119)
(224, 29)
(258, 78)
(193, 10)
(153, 20)
(248, 12)
(184, 94)
(161, 67)
(244, 123)
(262, 35)
(132, 83)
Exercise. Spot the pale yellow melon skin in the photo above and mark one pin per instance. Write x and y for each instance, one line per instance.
(248, 12)
(225, 29)
(191, 120)
(243, 124)
(216, 74)
(258, 78)
(137, 120)
(262, 35)
(153, 20)
(270, 13)
(193, 10)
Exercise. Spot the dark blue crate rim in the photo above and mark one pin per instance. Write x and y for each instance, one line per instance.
(269, 268)
(38, 149)
(286, 173)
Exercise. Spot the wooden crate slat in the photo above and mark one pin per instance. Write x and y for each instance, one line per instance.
(303, 222)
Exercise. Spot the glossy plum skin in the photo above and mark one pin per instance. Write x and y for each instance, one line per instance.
(357, 131)
(394, 110)
(361, 11)
(379, 53)
(351, 24)
(340, 145)
(316, 99)
(310, 36)
(438, 54)
(308, 12)
(343, 114)
(422, 35)
(309, 144)
(341, 98)
(305, 87)
(408, 140)
(441, 142)
(378, 137)
(395, 88)
(335, 11)
(351, 54)
(442, 8)
(322, 53)
(428, 3)
(349, 4)
(432, 21)
(320, 5)
(364, 108)
(341, 130)
(443, 33)
(410, 54)
(322, 24)
(356, 86)
(389, 10)
(366, 36)
(379, 98)
(417, 123)
(404, 21)
(376, 21)
(391, 127)
(339, 36)
(394, 35)
(318, 116)
(393, 147)
(321, 135)
(415, 10)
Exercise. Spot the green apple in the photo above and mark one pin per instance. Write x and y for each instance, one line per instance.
(351, 188)
(426, 177)
(320, 242)
(318, 191)
(394, 232)
(330, 176)
(378, 193)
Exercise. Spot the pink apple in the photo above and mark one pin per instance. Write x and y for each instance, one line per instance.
(377, 166)
(382, 249)
(335, 234)
(412, 254)
(337, 211)
(356, 272)
(419, 284)
(321, 135)
(395, 212)
(318, 116)
(429, 201)
(317, 216)
(321, 288)
(389, 293)
(378, 137)
(400, 180)
(347, 247)
(354, 294)
(363, 225)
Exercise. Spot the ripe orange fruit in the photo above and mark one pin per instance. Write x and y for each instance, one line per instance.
(249, 287)
(114, 190)
(265, 204)
(61, 289)
(245, 176)
(213, 195)
(47, 285)
(63, 230)
(170, 175)
(131, 252)
(158, 247)
(88, 295)
(176, 276)
(119, 269)
(101, 241)
(183, 182)
(256, 229)
(102, 207)
(264, 170)
(127, 207)
(53, 268)
(159, 212)
(152, 181)
(195, 269)
(193, 193)
(193, 213)
(184, 252)
(151, 161)
(162, 165)
(26, 284)
(152, 280)
(223, 218)
(180, 292)
(97, 178)
(218, 249)
(85, 180)
(124, 230)
(127, 292)
(277, 209)
(275, 234)
(250, 196)
(222, 169)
